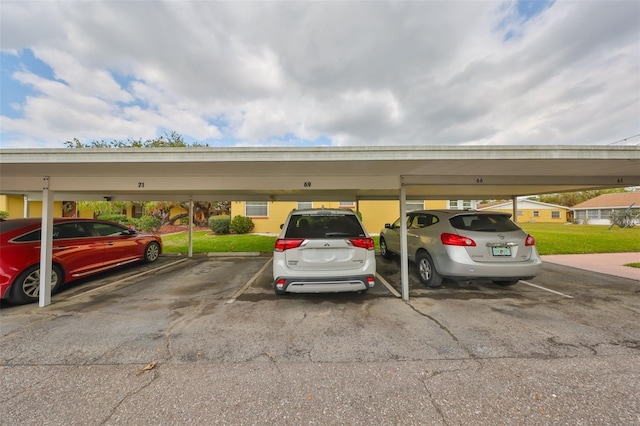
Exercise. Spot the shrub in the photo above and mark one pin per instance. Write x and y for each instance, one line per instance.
(4, 214)
(241, 224)
(219, 224)
(148, 223)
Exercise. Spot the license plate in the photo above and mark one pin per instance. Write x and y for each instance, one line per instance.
(501, 251)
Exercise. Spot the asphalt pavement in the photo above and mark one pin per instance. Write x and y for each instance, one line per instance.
(205, 341)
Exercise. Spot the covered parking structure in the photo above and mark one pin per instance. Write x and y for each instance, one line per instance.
(308, 174)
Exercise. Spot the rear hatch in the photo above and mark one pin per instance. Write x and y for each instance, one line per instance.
(496, 237)
(325, 255)
(329, 243)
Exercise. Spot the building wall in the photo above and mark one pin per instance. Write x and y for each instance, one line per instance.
(544, 214)
(14, 205)
(374, 213)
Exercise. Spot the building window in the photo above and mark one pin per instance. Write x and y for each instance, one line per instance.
(256, 209)
(536, 213)
(593, 214)
(555, 214)
(136, 211)
(461, 204)
(415, 205)
(303, 205)
(347, 204)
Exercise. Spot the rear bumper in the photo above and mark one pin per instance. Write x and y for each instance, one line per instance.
(461, 266)
(323, 284)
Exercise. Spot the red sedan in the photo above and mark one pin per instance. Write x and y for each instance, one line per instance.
(81, 247)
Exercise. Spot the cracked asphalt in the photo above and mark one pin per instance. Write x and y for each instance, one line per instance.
(187, 345)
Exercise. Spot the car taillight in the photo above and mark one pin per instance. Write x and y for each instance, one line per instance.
(456, 240)
(530, 241)
(283, 244)
(365, 243)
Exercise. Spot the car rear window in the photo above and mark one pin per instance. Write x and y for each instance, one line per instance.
(483, 223)
(324, 226)
(31, 236)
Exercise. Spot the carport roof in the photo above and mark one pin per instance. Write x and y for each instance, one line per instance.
(318, 173)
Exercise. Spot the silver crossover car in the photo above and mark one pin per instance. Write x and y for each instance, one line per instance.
(323, 250)
(464, 245)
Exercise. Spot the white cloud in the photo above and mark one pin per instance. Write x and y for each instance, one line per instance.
(353, 72)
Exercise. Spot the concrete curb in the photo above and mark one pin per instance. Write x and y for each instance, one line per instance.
(235, 254)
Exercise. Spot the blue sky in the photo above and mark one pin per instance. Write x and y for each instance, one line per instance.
(320, 73)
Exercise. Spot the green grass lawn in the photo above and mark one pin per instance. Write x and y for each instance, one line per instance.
(550, 239)
(204, 242)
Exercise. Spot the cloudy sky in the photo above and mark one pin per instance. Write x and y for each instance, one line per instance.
(310, 73)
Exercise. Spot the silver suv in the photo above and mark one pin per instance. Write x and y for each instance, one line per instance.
(323, 250)
(464, 245)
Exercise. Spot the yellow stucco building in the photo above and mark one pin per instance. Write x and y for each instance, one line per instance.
(531, 211)
(267, 216)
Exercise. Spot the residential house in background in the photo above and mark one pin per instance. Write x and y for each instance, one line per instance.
(530, 211)
(596, 211)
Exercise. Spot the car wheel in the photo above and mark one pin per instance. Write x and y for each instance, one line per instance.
(151, 252)
(506, 283)
(384, 251)
(279, 292)
(26, 288)
(427, 271)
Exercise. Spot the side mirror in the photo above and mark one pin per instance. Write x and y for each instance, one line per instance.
(387, 226)
(281, 225)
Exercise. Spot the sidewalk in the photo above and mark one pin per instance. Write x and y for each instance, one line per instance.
(604, 263)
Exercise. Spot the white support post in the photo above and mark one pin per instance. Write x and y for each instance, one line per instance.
(190, 252)
(46, 246)
(25, 207)
(404, 258)
(514, 203)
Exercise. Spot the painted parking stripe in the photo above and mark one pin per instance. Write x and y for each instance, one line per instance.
(251, 280)
(387, 285)
(546, 289)
(120, 281)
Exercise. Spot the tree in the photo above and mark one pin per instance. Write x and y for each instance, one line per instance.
(570, 199)
(104, 207)
(172, 140)
(202, 210)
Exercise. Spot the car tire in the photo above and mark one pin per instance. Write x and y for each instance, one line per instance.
(26, 288)
(279, 292)
(427, 271)
(384, 251)
(151, 252)
(506, 283)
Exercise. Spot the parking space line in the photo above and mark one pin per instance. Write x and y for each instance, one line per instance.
(546, 289)
(127, 278)
(251, 281)
(388, 286)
